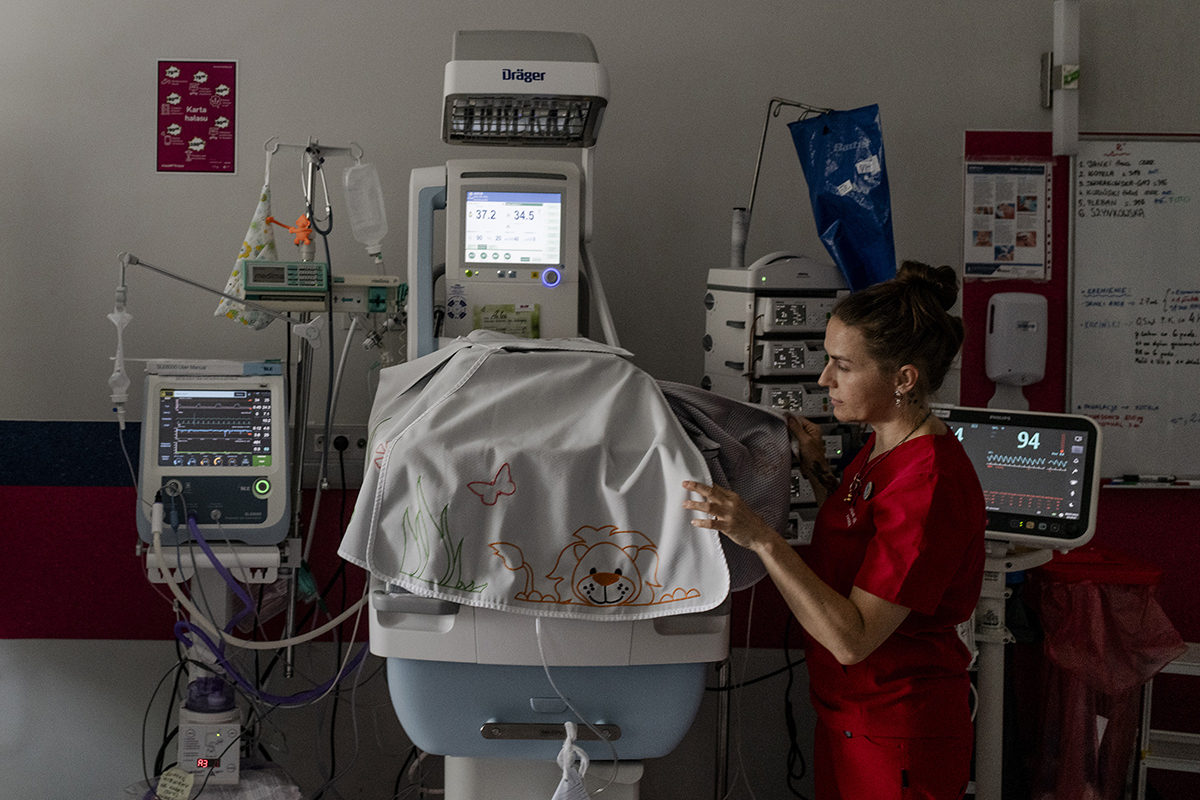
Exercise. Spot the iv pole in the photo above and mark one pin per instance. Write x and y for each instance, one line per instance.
(741, 216)
(309, 330)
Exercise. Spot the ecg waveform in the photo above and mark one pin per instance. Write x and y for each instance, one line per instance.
(213, 405)
(248, 422)
(1024, 503)
(998, 460)
(195, 443)
(221, 430)
(208, 427)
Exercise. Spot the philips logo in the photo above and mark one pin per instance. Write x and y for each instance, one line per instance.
(521, 75)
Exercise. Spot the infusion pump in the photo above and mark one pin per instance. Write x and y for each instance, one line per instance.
(765, 329)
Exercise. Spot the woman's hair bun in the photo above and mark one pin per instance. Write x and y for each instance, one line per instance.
(905, 321)
(942, 281)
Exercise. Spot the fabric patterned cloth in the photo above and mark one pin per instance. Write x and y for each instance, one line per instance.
(259, 244)
(748, 451)
(541, 477)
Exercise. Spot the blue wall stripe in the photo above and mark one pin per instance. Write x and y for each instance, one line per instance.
(66, 453)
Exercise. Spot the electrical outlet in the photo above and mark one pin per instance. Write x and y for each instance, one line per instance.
(355, 434)
(352, 459)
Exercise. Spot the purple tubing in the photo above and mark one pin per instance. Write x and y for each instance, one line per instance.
(182, 628)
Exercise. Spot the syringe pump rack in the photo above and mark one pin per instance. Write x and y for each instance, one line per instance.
(764, 344)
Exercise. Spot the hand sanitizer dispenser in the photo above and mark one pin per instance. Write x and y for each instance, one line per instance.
(1015, 352)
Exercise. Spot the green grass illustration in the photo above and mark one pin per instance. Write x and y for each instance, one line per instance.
(423, 531)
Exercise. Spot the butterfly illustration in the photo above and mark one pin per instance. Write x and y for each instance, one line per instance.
(490, 492)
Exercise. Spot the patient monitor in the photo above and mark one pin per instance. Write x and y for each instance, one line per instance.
(512, 250)
(216, 445)
(1040, 473)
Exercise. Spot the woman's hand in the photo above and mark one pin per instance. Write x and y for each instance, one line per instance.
(850, 627)
(728, 513)
(810, 446)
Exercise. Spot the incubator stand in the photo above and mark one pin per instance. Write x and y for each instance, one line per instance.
(471, 684)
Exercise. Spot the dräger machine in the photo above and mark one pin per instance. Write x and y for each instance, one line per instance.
(517, 259)
(512, 253)
(494, 691)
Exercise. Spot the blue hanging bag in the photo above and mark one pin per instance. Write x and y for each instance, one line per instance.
(841, 153)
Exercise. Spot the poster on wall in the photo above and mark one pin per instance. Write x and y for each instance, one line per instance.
(197, 116)
(1006, 206)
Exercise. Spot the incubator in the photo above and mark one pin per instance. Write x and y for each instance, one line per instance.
(528, 565)
(490, 651)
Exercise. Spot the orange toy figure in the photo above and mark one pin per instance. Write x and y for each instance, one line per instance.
(302, 229)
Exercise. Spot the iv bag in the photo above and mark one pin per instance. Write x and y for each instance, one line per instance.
(364, 205)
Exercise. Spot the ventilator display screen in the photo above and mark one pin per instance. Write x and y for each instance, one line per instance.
(214, 428)
(512, 228)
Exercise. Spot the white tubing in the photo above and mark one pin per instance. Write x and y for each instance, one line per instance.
(205, 623)
(337, 388)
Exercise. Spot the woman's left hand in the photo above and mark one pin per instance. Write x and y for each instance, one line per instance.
(728, 513)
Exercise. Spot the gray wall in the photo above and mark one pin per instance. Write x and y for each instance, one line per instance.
(690, 81)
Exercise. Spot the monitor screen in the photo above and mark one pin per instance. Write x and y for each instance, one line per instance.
(214, 427)
(1039, 472)
(214, 448)
(507, 228)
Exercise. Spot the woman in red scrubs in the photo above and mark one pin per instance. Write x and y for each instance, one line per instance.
(896, 561)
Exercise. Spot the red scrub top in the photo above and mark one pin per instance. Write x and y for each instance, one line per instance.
(913, 535)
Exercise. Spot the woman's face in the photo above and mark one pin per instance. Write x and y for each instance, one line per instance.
(858, 389)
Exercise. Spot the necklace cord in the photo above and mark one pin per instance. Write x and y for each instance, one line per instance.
(862, 473)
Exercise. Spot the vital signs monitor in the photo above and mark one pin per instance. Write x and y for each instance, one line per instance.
(1040, 472)
(512, 248)
(216, 446)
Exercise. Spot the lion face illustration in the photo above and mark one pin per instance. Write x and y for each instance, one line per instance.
(606, 574)
(606, 567)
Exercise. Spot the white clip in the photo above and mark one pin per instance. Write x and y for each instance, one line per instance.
(311, 331)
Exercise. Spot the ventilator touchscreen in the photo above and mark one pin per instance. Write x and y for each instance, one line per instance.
(215, 448)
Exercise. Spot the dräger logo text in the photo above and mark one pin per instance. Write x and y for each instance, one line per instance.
(521, 75)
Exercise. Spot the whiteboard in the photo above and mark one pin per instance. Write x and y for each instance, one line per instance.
(1135, 303)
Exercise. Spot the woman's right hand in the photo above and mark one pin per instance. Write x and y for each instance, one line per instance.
(810, 449)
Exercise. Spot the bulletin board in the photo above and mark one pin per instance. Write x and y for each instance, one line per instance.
(1135, 303)
(1050, 393)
